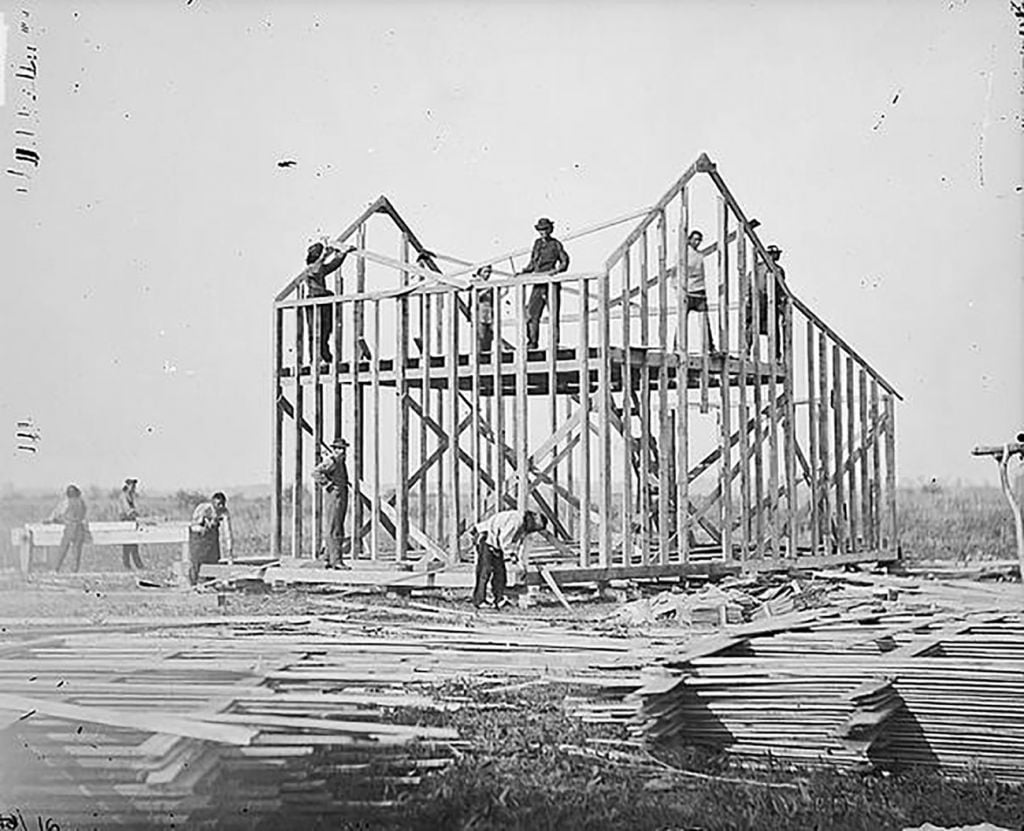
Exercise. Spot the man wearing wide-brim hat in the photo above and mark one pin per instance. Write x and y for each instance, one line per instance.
(548, 257)
(332, 475)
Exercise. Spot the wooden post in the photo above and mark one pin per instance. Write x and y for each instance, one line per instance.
(358, 401)
(402, 388)
(865, 462)
(585, 482)
(297, 469)
(604, 419)
(554, 312)
(890, 471)
(452, 361)
(520, 401)
(760, 432)
(682, 382)
(743, 411)
(789, 447)
(825, 408)
(770, 325)
(426, 304)
(375, 392)
(664, 529)
(477, 415)
(725, 469)
(627, 428)
(851, 447)
(812, 437)
(439, 467)
(318, 430)
(876, 467)
(499, 403)
(837, 443)
(277, 457)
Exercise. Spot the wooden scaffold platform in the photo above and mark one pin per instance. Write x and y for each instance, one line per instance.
(761, 440)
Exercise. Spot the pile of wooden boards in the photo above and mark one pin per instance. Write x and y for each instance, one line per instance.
(216, 720)
(936, 683)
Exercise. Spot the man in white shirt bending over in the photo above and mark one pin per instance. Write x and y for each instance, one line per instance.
(497, 537)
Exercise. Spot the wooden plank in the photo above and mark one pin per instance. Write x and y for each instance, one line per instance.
(147, 722)
(375, 539)
(477, 412)
(499, 398)
(789, 427)
(683, 527)
(426, 304)
(743, 338)
(297, 483)
(837, 444)
(876, 469)
(825, 405)
(769, 325)
(851, 421)
(664, 428)
(604, 420)
(627, 420)
(554, 587)
(585, 478)
(402, 456)
(358, 397)
(454, 508)
(812, 434)
(522, 426)
(865, 460)
(318, 431)
(890, 472)
(724, 388)
(277, 449)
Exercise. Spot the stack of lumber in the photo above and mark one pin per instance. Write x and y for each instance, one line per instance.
(943, 689)
(222, 720)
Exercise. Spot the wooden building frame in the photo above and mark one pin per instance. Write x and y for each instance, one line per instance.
(801, 472)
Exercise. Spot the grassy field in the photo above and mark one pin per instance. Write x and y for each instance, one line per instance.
(935, 523)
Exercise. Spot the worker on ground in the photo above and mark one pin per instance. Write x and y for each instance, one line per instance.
(496, 538)
(332, 474)
(129, 513)
(548, 257)
(696, 287)
(70, 512)
(762, 274)
(209, 521)
(321, 260)
(485, 313)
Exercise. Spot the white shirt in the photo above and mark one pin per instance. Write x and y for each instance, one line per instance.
(695, 272)
(501, 531)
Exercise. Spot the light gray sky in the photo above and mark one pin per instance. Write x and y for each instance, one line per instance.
(140, 269)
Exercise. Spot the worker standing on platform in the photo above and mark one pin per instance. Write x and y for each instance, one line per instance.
(762, 274)
(321, 260)
(129, 513)
(209, 521)
(696, 287)
(70, 512)
(332, 474)
(485, 313)
(496, 538)
(548, 257)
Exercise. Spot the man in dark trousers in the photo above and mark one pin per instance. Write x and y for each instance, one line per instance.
(548, 257)
(129, 513)
(209, 520)
(497, 537)
(485, 315)
(332, 475)
(762, 274)
(70, 512)
(321, 260)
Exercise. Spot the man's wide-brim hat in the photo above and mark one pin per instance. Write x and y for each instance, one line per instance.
(131, 481)
(339, 442)
(774, 249)
(544, 223)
